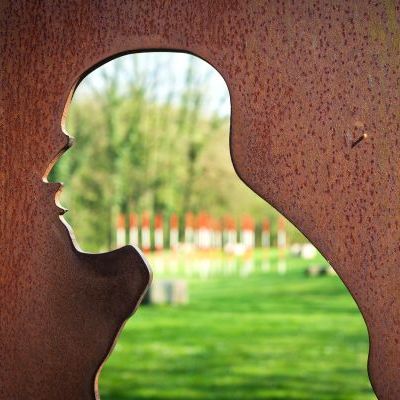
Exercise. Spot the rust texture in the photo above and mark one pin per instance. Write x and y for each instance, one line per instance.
(307, 80)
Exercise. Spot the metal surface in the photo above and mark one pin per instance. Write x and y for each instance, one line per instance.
(307, 79)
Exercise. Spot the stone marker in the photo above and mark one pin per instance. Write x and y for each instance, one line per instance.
(315, 270)
(167, 292)
(319, 270)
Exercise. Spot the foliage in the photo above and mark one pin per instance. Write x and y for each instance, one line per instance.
(147, 142)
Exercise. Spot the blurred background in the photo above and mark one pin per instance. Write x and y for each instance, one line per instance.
(241, 305)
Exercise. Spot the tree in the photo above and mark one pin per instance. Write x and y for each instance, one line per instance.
(146, 139)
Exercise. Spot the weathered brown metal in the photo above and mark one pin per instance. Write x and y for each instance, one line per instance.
(306, 78)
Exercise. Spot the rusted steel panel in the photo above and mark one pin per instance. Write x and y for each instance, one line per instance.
(307, 80)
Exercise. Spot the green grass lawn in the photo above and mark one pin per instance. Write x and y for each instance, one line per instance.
(264, 336)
